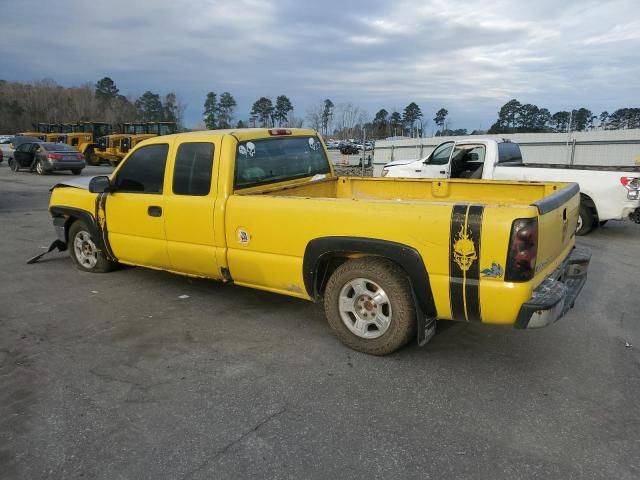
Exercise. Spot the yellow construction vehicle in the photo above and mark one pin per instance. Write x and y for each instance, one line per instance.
(140, 132)
(84, 139)
(109, 146)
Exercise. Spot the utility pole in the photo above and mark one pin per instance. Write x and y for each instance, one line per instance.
(364, 149)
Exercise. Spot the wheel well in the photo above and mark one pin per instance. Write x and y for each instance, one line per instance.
(327, 264)
(589, 203)
(67, 226)
(323, 255)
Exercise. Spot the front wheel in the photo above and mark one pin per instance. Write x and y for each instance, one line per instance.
(13, 165)
(369, 305)
(90, 157)
(40, 168)
(84, 252)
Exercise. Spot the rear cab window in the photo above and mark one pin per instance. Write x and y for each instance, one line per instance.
(278, 159)
(193, 168)
(509, 154)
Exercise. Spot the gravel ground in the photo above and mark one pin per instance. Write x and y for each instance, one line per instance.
(116, 377)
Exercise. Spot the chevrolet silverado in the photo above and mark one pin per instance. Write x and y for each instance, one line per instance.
(262, 208)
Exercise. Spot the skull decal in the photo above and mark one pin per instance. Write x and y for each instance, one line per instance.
(251, 149)
(242, 150)
(464, 250)
(313, 145)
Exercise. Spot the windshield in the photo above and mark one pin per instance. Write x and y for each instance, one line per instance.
(134, 129)
(164, 129)
(100, 130)
(278, 159)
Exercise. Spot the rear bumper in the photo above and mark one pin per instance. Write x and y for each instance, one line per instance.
(557, 293)
(64, 165)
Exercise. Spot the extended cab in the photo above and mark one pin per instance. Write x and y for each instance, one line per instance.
(261, 208)
(606, 192)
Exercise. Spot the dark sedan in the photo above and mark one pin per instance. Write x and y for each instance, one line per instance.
(46, 157)
(349, 149)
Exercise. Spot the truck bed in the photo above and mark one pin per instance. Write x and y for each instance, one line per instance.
(421, 190)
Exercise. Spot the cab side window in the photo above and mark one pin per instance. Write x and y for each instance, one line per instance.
(143, 172)
(192, 170)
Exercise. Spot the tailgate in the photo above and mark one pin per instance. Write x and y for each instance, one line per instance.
(557, 222)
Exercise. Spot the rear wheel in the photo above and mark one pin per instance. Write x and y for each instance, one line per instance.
(586, 219)
(84, 252)
(369, 305)
(13, 165)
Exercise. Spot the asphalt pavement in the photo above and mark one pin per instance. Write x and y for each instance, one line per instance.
(140, 374)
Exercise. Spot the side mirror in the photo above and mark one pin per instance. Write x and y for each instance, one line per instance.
(100, 184)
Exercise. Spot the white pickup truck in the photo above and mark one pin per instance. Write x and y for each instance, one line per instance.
(606, 193)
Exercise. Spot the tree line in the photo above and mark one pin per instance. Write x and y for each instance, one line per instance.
(515, 117)
(24, 105)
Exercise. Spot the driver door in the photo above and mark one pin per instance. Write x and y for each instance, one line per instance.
(135, 210)
(437, 164)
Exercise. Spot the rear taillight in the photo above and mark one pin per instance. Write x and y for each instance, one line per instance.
(79, 156)
(523, 250)
(632, 184)
(54, 156)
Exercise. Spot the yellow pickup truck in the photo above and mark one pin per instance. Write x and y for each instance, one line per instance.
(262, 208)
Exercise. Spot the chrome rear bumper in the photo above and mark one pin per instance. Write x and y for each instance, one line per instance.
(557, 293)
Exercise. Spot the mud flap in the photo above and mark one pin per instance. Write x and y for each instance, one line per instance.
(426, 330)
(57, 244)
(426, 327)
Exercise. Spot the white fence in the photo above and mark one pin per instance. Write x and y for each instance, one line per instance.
(607, 147)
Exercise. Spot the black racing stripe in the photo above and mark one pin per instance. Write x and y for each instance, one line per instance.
(472, 291)
(456, 275)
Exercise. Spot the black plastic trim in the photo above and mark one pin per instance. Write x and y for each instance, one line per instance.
(83, 215)
(556, 200)
(406, 257)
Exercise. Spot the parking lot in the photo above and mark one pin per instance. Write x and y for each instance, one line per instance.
(141, 374)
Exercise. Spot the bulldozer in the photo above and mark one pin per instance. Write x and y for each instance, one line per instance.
(84, 139)
(40, 133)
(109, 146)
(139, 132)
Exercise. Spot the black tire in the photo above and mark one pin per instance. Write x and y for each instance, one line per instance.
(90, 157)
(102, 264)
(400, 307)
(586, 219)
(76, 171)
(40, 170)
(13, 165)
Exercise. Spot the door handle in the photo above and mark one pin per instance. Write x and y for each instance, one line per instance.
(443, 172)
(154, 211)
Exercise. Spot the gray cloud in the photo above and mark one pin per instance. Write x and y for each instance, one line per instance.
(468, 56)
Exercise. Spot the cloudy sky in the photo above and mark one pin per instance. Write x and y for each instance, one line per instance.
(467, 56)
